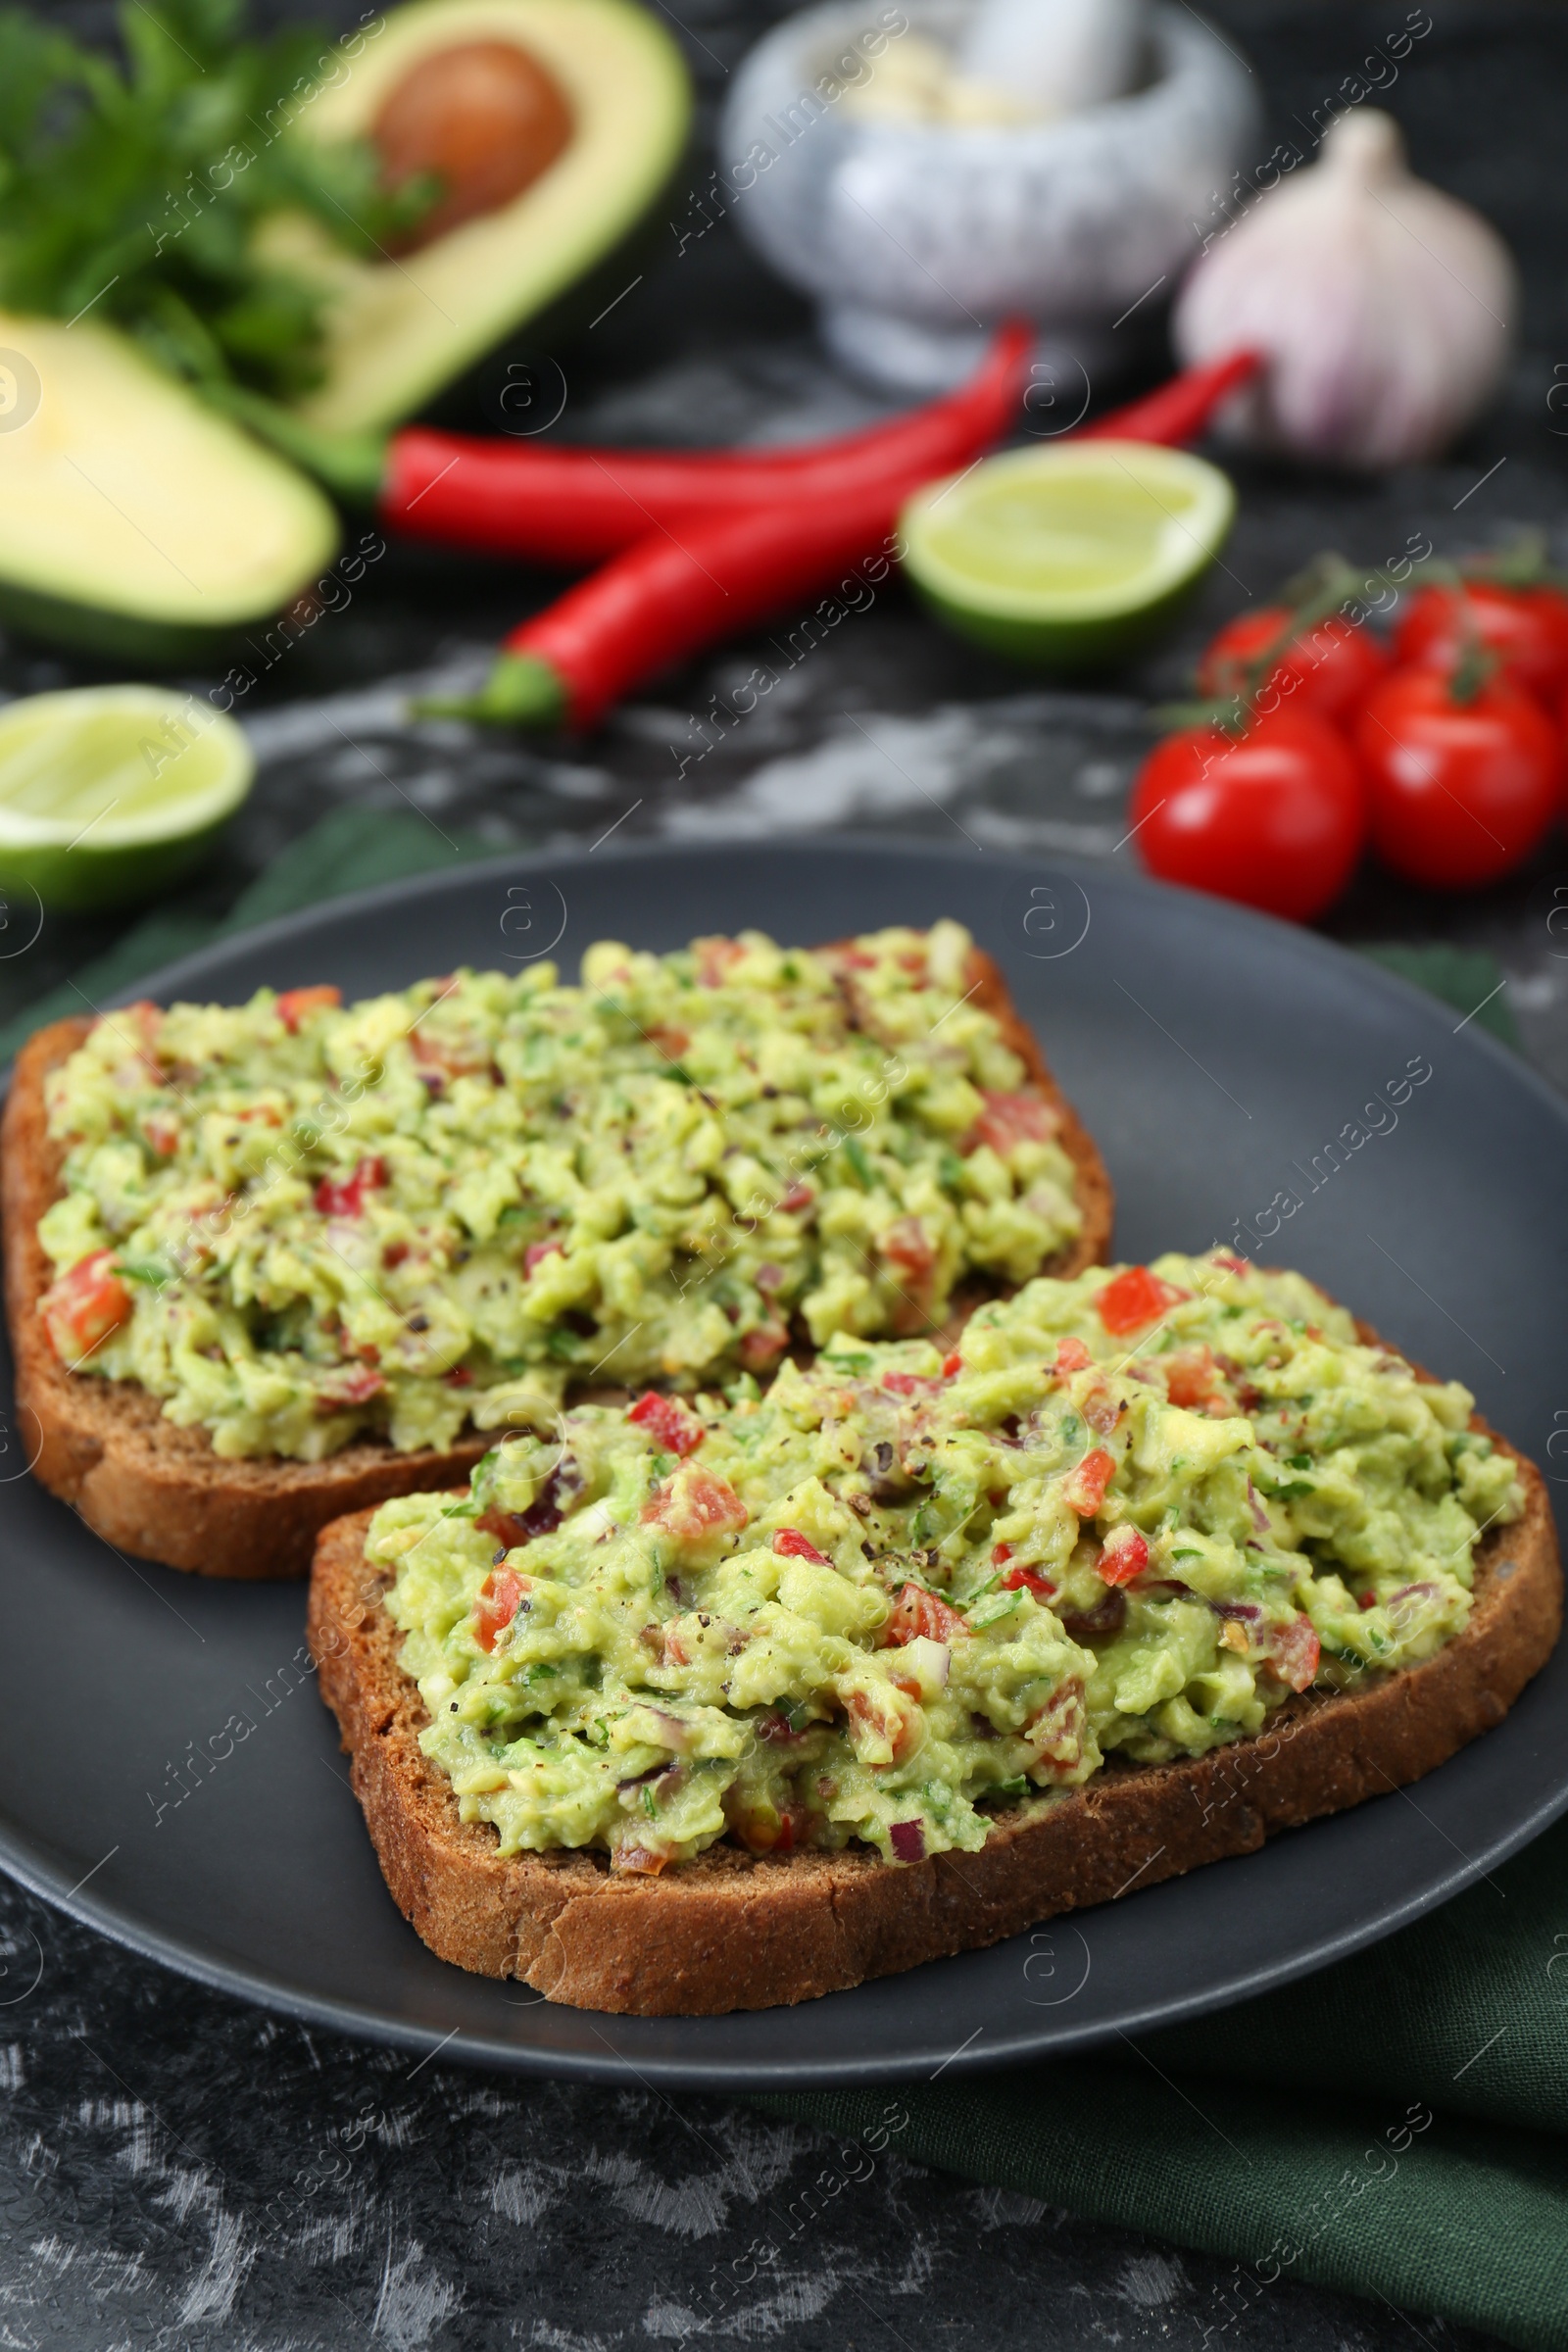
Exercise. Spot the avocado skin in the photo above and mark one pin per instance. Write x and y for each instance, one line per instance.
(120, 636)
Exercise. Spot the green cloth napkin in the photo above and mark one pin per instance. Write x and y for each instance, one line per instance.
(1396, 2126)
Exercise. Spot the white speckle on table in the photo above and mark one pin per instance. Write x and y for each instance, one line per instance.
(411, 2304)
(381, 709)
(877, 766)
(1150, 2278)
(211, 2294)
(546, 2338)
(12, 2077)
(1535, 993)
(691, 2208)
(1006, 2209)
(523, 2193)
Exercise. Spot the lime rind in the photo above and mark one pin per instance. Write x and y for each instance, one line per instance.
(110, 793)
(951, 530)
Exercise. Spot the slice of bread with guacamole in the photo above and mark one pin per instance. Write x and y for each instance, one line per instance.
(711, 1703)
(270, 1263)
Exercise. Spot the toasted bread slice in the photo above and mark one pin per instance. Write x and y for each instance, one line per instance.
(161, 1491)
(737, 1930)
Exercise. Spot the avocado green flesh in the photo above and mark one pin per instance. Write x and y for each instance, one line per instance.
(400, 333)
(135, 522)
(881, 1598)
(449, 1203)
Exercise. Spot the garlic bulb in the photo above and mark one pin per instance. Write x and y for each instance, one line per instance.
(1382, 307)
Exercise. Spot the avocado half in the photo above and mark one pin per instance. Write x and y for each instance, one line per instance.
(135, 522)
(400, 331)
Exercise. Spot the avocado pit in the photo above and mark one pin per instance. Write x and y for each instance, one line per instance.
(482, 117)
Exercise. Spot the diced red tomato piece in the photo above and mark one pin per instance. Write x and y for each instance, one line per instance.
(296, 1005)
(1123, 1556)
(909, 1384)
(1134, 1298)
(716, 959)
(1071, 1357)
(907, 1245)
(354, 1388)
(693, 1504)
(1230, 1261)
(500, 1597)
(538, 1250)
(1367, 1600)
(395, 1253)
(1192, 1377)
(1086, 1486)
(952, 1365)
(1028, 1580)
(668, 1422)
(162, 1136)
(83, 1306)
(1009, 1120)
(459, 1377)
(1001, 1552)
(791, 1544)
(856, 960)
(347, 1199)
(1293, 1651)
(671, 1042)
(798, 1196)
(769, 1278)
(917, 1613)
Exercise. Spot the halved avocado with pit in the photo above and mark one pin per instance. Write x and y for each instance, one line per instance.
(399, 330)
(133, 520)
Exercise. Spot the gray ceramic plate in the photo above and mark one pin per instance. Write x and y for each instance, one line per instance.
(1217, 1057)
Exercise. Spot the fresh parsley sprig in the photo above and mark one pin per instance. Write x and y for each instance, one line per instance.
(133, 192)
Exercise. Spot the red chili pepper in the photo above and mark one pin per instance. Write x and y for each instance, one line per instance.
(1179, 411)
(708, 575)
(557, 504)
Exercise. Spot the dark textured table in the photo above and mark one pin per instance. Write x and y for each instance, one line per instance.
(178, 2171)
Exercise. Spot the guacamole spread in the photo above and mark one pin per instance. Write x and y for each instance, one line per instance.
(302, 1222)
(1129, 1515)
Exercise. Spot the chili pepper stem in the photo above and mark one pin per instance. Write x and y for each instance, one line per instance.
(352, 465)
(519, 692)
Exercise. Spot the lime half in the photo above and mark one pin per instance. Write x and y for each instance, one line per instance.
(1070, 556)
(110, 793)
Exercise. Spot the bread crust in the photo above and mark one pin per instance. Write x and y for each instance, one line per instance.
(734, 1930)
(160, 1492)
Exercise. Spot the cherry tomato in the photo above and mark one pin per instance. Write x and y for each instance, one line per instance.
(1275, 817)
(1459, 792)
(1329, 669)
(1526, 627)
